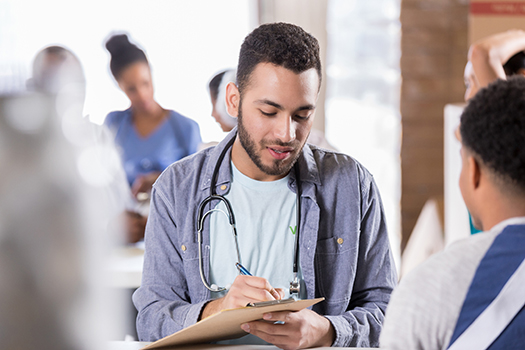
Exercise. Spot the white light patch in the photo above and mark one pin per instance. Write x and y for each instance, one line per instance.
(93, 164)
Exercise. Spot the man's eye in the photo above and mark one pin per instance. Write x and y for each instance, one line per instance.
(268, 114)
(302, 117)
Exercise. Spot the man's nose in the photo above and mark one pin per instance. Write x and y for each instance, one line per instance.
(285, 128)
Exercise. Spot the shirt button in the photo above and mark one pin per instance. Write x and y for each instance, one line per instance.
(340, 240)
(223, 187)
(183, 248)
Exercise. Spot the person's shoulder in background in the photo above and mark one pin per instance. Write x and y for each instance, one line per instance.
(424, 307)
(115, 118)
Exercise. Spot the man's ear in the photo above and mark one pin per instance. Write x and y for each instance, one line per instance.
(232, 99)
(474, 172)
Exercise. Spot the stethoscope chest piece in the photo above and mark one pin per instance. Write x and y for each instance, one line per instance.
(295, 287)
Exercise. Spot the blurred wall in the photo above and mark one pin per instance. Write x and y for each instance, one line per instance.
(434, 53)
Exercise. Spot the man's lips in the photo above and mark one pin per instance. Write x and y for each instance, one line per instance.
(280, 152)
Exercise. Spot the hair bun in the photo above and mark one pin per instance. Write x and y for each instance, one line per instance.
(123, 53)
(118, 43)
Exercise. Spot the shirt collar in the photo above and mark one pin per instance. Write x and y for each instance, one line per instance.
(520, 220)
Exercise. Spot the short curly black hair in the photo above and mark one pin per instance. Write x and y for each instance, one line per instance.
(282, 44)
(493, 128)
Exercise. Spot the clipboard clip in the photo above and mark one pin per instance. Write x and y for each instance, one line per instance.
(271, 302)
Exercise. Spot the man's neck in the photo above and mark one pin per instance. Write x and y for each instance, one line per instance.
(502, 210)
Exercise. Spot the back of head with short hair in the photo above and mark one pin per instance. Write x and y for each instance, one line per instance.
(54, 67)
(493, 128)
(214, 84)
(282, 44)
(123, 54)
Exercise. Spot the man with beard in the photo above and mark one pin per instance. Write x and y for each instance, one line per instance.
(306, 218)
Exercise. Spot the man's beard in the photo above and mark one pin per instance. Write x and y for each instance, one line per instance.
(279, 167)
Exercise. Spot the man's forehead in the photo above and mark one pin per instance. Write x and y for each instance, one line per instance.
(265, 72)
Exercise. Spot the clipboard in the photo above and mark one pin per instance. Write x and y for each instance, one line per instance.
(226, 324)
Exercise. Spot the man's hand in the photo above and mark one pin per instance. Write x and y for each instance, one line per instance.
(244, 290)
(295, 330)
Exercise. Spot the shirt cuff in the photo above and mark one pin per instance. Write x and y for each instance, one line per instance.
(195, 310)
(343, 331)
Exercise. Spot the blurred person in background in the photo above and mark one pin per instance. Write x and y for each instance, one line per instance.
(217, 90)
(52, 220)
(54, 68)
(495, 57)
(149, 136)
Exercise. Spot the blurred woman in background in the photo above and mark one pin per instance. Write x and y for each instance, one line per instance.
(150, 137)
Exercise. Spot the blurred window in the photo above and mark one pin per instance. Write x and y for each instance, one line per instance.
(363, 93)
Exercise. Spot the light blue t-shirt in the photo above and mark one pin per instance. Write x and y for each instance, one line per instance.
(265, 219)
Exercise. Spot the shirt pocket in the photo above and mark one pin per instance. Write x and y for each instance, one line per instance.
(190, 251)
(335, 266)
(190, 258)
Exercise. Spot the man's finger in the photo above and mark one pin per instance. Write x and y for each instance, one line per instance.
(263, 284)
(281, 316)
(281, 293)
(264, 330)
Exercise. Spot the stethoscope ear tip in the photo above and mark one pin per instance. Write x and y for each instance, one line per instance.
(214, 287)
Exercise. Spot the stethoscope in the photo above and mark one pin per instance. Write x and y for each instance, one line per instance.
(294, 284)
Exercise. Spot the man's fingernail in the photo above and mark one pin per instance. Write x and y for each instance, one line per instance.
(267, 316)
(245, 327)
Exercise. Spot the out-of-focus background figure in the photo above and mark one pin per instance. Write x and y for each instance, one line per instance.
(497, 56)
(54, 68)
(149, 136)
(217, 89)
(53, 215)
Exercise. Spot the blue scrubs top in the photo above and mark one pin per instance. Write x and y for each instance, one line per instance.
(175, 138)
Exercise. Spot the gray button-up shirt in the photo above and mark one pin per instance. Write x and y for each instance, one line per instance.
(344, 249)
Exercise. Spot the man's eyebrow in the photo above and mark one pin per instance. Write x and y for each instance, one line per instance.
(279, 107)
(271, 103)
